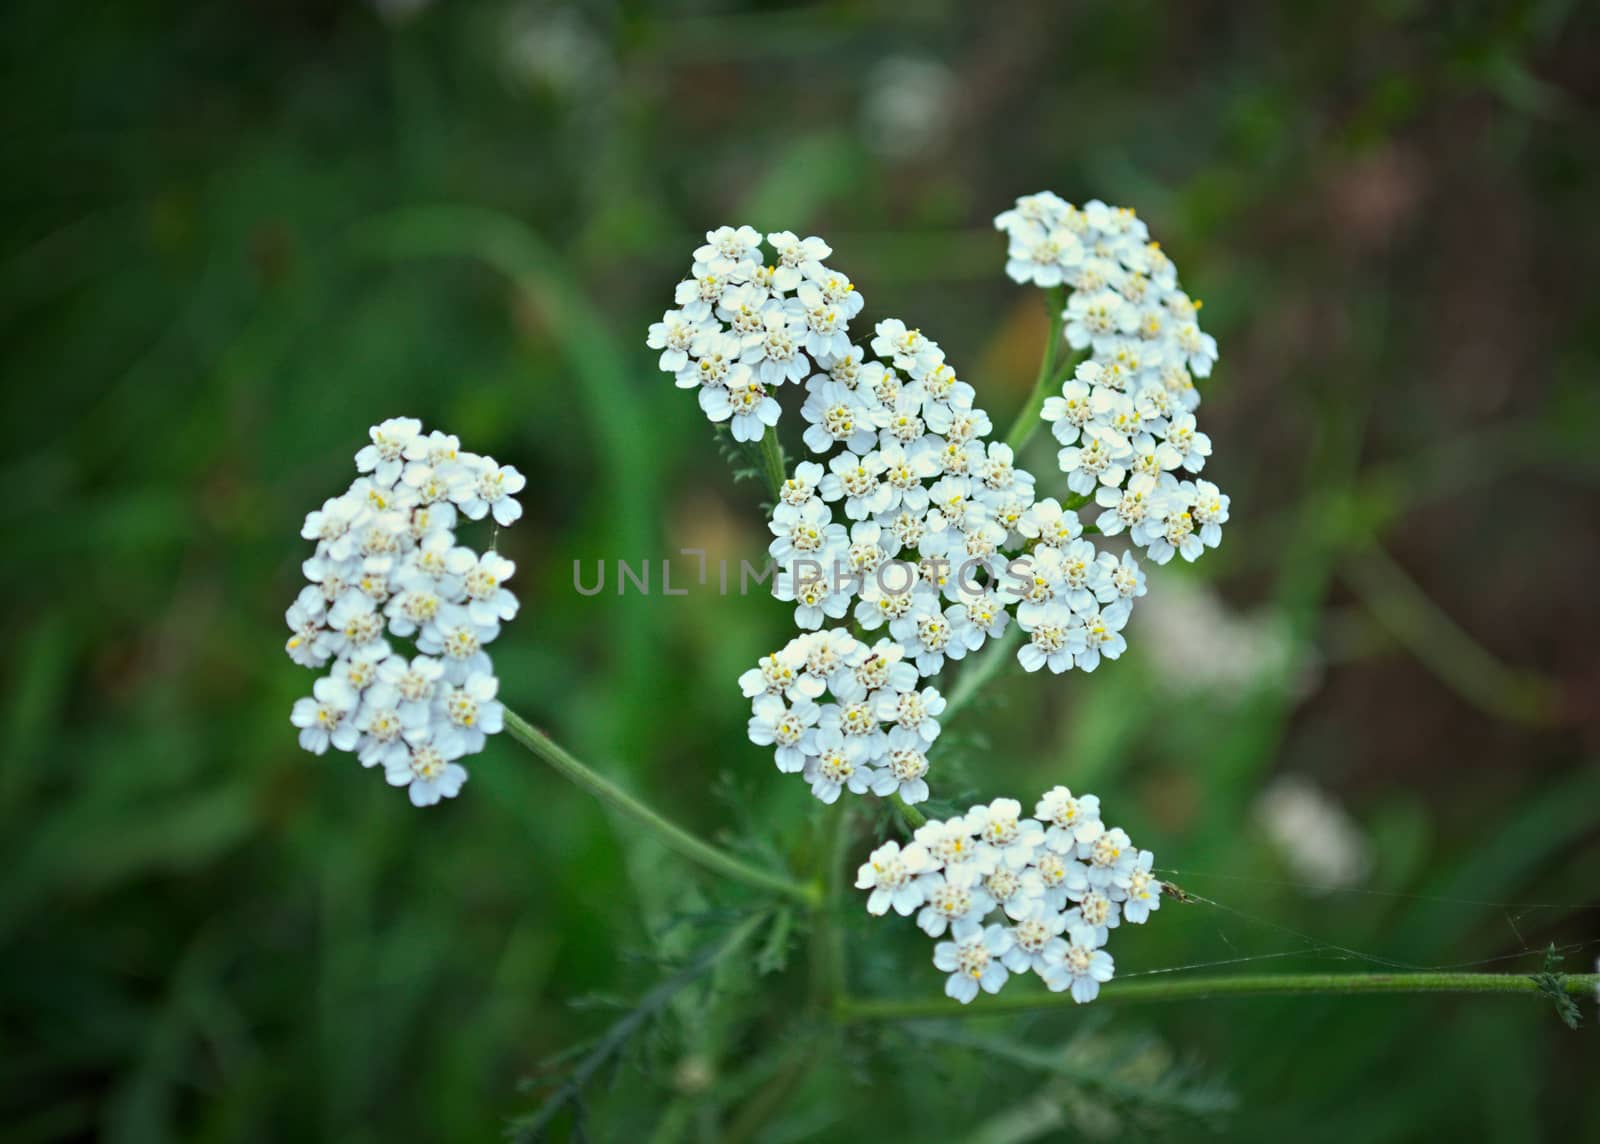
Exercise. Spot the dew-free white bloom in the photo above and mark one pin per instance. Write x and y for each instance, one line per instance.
(1014, 890)
(387, 565)
(892, 875)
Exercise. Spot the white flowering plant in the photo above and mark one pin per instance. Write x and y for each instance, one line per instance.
(912, 548)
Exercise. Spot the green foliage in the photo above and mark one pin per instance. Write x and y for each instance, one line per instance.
(1554, 986)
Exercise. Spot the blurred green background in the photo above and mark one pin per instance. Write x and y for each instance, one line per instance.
(238, 234)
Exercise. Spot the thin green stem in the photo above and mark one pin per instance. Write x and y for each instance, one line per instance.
(772, 462)
(1444, 647)
(670, 834)
(1028, 416)
(1230, 985)
(980, 671)
(914, 817)
(827, 942)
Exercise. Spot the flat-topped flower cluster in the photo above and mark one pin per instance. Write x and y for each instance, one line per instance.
(845, 715)
(1014, 895)
(387, 564)
(1125, 420)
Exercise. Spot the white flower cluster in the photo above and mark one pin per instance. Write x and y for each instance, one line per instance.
(1125, 421)
(1014, 894)
(843, 715)
(387, 564)
(917, 520)
(743, 328)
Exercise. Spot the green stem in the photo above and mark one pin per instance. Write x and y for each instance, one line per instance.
(670, 834)
(980, 671)
(1444, 647)
(772, 462)
(1028, 416)
(911, 814)
(827, 941)
(1231, 985)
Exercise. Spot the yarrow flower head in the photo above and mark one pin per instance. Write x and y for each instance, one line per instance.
(1125, 419)
(387, 564)
(844, 715)
(1012, 894)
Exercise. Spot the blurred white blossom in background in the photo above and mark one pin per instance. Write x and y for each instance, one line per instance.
(1313, 834)
(554, 50)
(1197, 644)
(906, 110)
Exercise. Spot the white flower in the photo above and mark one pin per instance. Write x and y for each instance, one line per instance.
(1096, 913)
(781, 673)
(429, 771)
(326, 718)
(1083, 967)
(837, 417)
(1036, 939)
(1200, 349)
(973, 959)
(904, 773)
(727, 248)
(892, 875)
(951, 895)
(1053, 639)
(818, 595)
(882, 668)
(837, 764)
(1000, 824)
(802, 484)
(673, 335)
(470, 712)
(1210, 512)
(1040, 254)
(1111, 859)
(415, 683)
(308, 645)
(798, 258)
(788, 728)
(458, 641)
(492, 489)
(1071, 819)
(805, 531)
(1013, 889)
(1192, 446)
(332, 526)
(914, 715)
(483, 579)
(385, 457)
(751, 408)
(1143, 890)
(383, 728)
(1125, 508)
(1100, 634)
(856, 480)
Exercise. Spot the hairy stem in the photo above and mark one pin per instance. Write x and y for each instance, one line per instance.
(672, 835)
(914, 817)
(1230, 985)
(772, 462)
(1028, 416)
